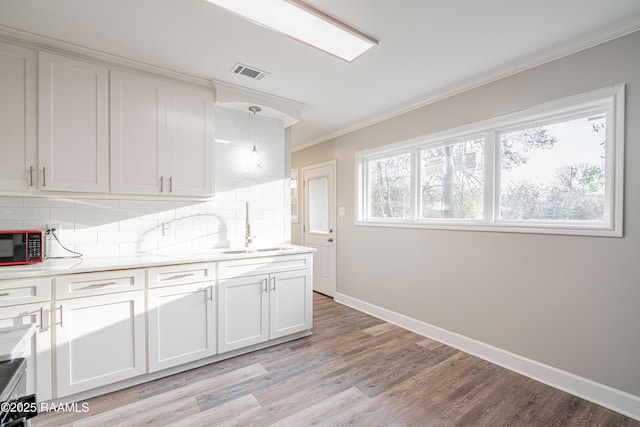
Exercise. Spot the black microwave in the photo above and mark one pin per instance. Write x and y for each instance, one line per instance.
(21, 247)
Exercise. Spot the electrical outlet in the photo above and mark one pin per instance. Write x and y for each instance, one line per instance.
(55, 228)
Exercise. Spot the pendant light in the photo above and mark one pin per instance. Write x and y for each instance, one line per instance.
(254, 151)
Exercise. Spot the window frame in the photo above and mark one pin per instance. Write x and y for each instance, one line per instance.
(610, 99)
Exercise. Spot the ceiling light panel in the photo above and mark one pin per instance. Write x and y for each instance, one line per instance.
(303, 23)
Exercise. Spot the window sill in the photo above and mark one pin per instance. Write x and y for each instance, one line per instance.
(601, 230)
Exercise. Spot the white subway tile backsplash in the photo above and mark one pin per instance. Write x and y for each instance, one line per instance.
(22, 214)
(48, 202)
(16, 202)
(96, 226)
(112, 249)
(160, 215)
(112, 226)
(77, 214)
(12, 225)
(114, 215)
(78, 237)
(134, 205)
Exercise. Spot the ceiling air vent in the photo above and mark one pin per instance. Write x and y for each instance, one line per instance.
(250, 72)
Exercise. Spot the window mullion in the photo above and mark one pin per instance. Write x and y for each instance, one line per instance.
(415, 184)
(491, 177)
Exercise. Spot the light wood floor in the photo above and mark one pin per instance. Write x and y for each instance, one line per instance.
(355, 370)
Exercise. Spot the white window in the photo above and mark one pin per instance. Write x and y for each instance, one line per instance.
(555, 168)
(389, 186)
(452, 180)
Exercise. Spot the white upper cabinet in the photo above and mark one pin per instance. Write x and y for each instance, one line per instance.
(138, 133)
(190, 159)
(73, 125)
(18, 118)
(161, 137)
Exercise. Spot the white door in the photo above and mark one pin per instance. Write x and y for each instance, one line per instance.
(73, 127)
(181, 323)
(243, 312)
(320, 224)
(138, 123)
(18, 118)
(38, 354)
(99, 340)
(290, 303)
(190, 142)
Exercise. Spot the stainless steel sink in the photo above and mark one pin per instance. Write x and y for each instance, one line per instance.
(254, 250)
(277, 248)
(237, 251)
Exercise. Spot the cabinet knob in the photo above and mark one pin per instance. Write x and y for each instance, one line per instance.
(330, 239)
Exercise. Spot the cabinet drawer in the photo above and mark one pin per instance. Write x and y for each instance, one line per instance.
(104, 282)
(180, 274)
(24, 291)
(263, 265)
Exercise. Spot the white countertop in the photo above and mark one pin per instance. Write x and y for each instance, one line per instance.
(87, 264)
(13, 339)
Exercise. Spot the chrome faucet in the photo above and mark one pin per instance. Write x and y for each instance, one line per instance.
(248, 238)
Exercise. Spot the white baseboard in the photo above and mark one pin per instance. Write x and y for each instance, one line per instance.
(609, 397)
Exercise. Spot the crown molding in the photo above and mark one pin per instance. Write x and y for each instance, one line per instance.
(578, 45)
(55, 46)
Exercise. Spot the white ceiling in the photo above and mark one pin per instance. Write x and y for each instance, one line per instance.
(427, 48)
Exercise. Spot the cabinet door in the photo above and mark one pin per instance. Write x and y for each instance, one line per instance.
(291, 302)
(18, 119)
(182, 324)
(190, 142)
(38, 352)
(138, 134)
(99, 340)
(243, 317)
(73, 125)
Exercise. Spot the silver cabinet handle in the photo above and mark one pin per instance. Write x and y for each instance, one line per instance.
(5, 294)
(170, 184)
(179, 276)
(100, 285)
(273, 284)
(30, 176)
(43, 325)
(44, 177)
(60, 316)
(210, 288)
(265, 287)
(161, 184)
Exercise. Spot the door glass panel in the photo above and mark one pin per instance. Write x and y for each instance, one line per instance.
(319, 205)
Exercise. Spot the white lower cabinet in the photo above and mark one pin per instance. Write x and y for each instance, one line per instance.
(243, 316)
(38, 352)
(99, 328)
(24, 302)
(99, 339)
(290, 303)
(181, 323)
(255, 309)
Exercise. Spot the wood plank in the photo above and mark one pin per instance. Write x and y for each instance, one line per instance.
(354, 370)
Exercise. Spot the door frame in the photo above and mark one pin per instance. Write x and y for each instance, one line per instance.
(303, 207)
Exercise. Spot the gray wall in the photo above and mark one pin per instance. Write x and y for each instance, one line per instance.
(570, 302)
